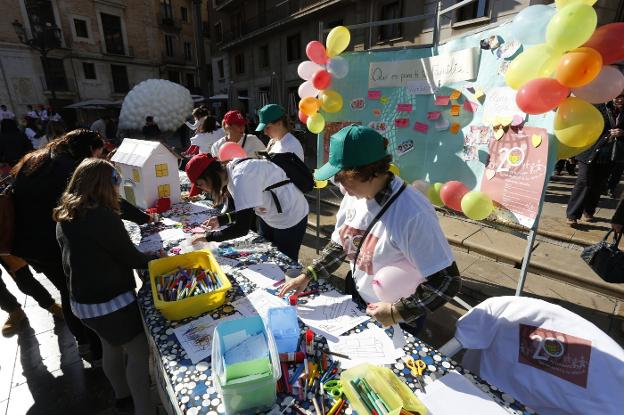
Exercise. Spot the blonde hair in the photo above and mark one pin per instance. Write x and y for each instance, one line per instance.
(91, 186)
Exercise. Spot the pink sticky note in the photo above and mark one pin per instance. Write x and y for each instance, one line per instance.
(404, 107)
(517, 120)
(401, 122)
(433, 115)
(470, 106)
(374, 94)
(442, 100)
(421, 127)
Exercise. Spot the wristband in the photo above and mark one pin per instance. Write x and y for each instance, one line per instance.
(312, 273)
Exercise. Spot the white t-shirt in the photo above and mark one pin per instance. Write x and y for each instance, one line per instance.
(408, 230)
(6, 114)
(252, 145)
(247, 181)
(31, 134)
(33, 114)
(205, 140)
(288, 144)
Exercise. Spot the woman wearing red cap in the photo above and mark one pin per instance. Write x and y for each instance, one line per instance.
(234, 126)
(255, 185)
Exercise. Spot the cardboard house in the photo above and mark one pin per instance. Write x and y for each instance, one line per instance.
(149, 171)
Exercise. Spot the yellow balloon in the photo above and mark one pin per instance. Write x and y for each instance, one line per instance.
(539, 61)
(315, 123)
(562, 3)
(577, 123)
(309, 105)
(571, 27)
(331, 101)
(434, 194)
(565, 152)
(476, 205)
(394, 169)
(337, 40)
(320, 184)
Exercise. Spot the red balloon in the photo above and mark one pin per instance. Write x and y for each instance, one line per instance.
(322, 79)
(541, 95)
(316, 52)
(607, 40)
(302, 117)
(451, 194)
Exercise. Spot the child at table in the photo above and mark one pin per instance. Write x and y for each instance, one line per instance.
(98, 258)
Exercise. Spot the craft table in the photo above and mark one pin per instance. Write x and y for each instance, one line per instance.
(186, 388)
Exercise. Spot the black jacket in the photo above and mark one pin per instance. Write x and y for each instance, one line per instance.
(13, 146)
(98, 256)
(618, 216)
(601, 151)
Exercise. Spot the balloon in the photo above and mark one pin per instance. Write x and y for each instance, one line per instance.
(230, 150)
(393, 282)
(565, 152)
(577, 123)
(307, 69)
(529, 26)
(606, 86)
(322, 79)
(537, 62)
(422, 186)
(451, 194)
(562, 3)
(338, 66)
(320, 184)
(476, 205)
(315, 123)
(541, 95)
(394, 169)
(331, 101)
(302, 117)
(434, 194)
(571, 27)
(578, 67)
(607, 40)
(306, 89)
(337, 40)
(309, 106)
(316, 52)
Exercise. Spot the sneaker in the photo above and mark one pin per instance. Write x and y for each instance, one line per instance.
(56, 311)
(14, 322)
(589, 218)
(571, 221)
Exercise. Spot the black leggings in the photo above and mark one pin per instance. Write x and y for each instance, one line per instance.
(27, 284)
(288, 240)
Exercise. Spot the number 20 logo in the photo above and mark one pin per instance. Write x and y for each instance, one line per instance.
(547, 347)
(510, 157)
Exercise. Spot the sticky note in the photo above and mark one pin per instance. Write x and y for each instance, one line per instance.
(433, 115)
(404, 107)
(442, 124)
(504, 121)
(384, 100)
(536, 140)
(470, 88)
(470, 106)
(454, 128)
(401, 122)
(455, 94)
(421, 127)
(489, 173)
(358, 104)
(455, 110)
(499, 133)
(442, 100)
(517, 120)
(478, 94)
(374, 94)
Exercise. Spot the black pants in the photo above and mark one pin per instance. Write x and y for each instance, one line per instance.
(616, 175)
(288, 240)
(587, 189)
(568, 164)
(27, 284)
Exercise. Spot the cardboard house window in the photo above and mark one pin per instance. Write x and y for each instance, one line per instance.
(136, 176)
(162, 170)
(164, 190)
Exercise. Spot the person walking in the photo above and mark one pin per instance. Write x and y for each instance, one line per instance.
(277, 126)
(150, 129)
(5, 113)
(13, 143)
(234, 127)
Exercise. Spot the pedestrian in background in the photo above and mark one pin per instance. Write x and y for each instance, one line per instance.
(13, 143)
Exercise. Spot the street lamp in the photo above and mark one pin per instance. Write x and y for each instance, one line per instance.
(44, 38)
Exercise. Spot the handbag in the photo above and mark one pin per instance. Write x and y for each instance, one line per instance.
(606, 259)
(7, 218)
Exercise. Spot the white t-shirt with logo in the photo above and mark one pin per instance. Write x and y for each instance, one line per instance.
(408, 230)
(288, 144)
(252, 145)
(205, 140)
(247, 181)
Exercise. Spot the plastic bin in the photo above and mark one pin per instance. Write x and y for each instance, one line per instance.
(394, 392)
(284, 325)
(191, 306)
(244, 387)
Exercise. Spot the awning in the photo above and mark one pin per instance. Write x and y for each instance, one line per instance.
(92, 104)
(218, 97)
(198, 98)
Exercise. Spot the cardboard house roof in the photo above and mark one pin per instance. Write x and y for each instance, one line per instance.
(134, 152)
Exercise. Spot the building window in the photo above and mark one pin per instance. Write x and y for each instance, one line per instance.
(264, 56)
(120, 79)
(174, 76)
(190, 80)
(169, 45)
(293, 48)
(54, 71)
(164, 190)
(162, 170)
(166, 12)
(41, 14)
(136, 175)
(236, 23)
(239, 63)
(89, 70)
(390, 11)
(220, 69)
(334, 23)
(188, 51)
(184, 14)
(113, 38)
(80, 26)
(476, 10)
(218, 32)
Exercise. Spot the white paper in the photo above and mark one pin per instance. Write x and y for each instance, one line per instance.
(258, 303)
(254, 347)
(229, 262)
(196, 337)
(370, 346)
(263, 275)
(453, 391)
(331, 314)
(169, 222)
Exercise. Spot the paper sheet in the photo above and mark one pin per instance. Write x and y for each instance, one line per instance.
(370, 346)
(331, 314)
(263, 275)
(254, 347)
(452, 391)
(196, 337)
(258, 303)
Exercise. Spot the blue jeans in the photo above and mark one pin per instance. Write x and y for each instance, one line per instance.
(288, 240)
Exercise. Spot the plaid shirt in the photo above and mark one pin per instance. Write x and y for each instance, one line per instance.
(433, 293)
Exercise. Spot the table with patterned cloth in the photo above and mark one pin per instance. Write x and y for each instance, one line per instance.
(187, 388)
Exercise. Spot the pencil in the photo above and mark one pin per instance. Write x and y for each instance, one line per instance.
(343, 356)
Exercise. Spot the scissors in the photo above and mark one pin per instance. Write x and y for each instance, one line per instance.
(417, 367)
(333, 388)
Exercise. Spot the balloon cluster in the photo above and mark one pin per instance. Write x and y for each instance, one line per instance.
(574, 58)
(169, 103)
(318, 73)
(455, 195)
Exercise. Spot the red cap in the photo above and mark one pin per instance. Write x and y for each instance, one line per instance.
(195, 167)
(234, 117)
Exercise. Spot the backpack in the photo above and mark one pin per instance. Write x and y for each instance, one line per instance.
(7, 217)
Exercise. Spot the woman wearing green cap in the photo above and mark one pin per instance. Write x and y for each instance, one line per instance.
(381, 222)
(276, 125)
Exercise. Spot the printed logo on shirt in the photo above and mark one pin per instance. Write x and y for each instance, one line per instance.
(350, 239)
(559, 354)
(350, 214)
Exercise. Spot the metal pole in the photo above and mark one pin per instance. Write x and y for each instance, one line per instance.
(436, 29)
(527, 257)
(370, 28)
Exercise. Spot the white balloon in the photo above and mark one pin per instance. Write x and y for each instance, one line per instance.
(306, 89)
(338, 66)
(307, 69)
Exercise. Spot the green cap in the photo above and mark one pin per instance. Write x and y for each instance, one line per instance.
(353, 146)
(268, 114)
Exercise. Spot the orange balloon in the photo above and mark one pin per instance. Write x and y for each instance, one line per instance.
(578, 67)
(309, 105)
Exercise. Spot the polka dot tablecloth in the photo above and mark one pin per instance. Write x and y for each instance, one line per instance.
(189, 387)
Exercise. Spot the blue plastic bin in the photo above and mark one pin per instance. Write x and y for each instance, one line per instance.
(284, 325)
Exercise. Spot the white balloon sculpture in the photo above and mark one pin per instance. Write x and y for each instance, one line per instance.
(169, 103)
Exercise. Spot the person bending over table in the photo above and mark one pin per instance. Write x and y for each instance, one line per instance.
(283, 210)
(408, 230)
